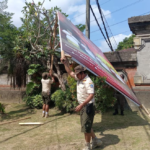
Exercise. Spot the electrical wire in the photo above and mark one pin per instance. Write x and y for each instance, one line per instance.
(120, 9)
(119, 22)
(99, 26)
(114, 35)
(93, 8)
(100, 11)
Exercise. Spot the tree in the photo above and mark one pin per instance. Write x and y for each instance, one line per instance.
(3, 6)
(126, 43)
(40, 27)
(8, 33)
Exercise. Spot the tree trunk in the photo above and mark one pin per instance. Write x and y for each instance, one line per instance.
(59, 75)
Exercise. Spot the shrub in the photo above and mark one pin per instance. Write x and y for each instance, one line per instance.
(34, 101)
(104, 94)
(2, 109)
(66, 101)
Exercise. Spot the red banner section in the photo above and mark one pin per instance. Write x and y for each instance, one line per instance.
(86, 53)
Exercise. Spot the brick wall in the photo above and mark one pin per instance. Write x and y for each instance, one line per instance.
(130, 72)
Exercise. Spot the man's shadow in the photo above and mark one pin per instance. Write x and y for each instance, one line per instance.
(110, 122)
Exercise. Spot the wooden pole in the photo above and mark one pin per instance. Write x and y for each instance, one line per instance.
(31, 123)
(145, 109)
(62, 54)
(54, 38)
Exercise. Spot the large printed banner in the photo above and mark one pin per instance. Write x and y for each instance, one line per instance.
(84, 52)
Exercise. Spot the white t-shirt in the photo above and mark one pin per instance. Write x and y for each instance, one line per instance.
(84, 88)
(46, 85)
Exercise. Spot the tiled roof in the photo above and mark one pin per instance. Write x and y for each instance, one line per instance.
(125, 55)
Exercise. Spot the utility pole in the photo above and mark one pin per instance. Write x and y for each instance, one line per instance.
(87, 18)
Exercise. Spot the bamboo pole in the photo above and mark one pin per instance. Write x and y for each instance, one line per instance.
(31, 123)
(54, 38)
(62, 54)
(145, 109)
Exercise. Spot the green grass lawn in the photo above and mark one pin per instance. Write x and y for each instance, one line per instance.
(62, 131)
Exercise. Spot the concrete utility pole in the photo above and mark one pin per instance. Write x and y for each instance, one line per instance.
(87, 18)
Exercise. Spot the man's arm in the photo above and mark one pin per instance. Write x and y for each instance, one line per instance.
(52, 78)
(88, 99)
(67, 67)
(51, 75)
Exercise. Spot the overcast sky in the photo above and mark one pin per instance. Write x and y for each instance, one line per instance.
(115, 11)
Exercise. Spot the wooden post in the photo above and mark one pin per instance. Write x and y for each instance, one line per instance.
(145, 109)
(31, 123)
(62, 54)
(54, 38)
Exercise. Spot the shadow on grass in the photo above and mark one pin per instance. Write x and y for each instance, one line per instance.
(34, 127)
(110, 122)
(17, 113)
(108, 139)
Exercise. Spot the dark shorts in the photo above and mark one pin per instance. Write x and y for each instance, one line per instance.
(46, 98)
(87, 119)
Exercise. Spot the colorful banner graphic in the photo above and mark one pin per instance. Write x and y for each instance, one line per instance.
(86, 53)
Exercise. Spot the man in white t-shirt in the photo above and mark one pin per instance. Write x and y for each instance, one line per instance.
(46, 89)
(85, 97)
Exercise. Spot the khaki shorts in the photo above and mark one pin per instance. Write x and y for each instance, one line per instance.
(46, 98)
(86, 119)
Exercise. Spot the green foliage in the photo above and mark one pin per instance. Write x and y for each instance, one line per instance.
(104, 94)
(32, 98)
(33, 68)
(66, 101)
(126, 43)
(2, 109)
(81, 27)
(30, 87)
(8, 33)
(34, 101)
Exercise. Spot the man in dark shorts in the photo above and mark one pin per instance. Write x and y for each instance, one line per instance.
(85, 97)
(120, 101)
(46, 89)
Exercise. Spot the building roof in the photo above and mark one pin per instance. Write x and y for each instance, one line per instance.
(126, 55)
(145, 18)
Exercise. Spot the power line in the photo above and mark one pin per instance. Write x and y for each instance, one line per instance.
(110, 30)
(121, 8)
(111, 37)
(111, 25)
(99, 26)
(100, 11)
(93, 8)
(120, 22)
(122, 32)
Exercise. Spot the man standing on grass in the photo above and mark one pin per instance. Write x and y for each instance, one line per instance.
(46, 92)
(120, 101)
(85, 97)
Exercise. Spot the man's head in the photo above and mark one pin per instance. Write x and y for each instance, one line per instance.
(45, 75)
(80, 72)
(122, 76)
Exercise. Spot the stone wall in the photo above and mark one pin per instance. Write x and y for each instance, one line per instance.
(143, 67)
(4, 80)
(11, 96)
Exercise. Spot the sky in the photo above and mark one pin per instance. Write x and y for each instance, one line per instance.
(116, 13)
